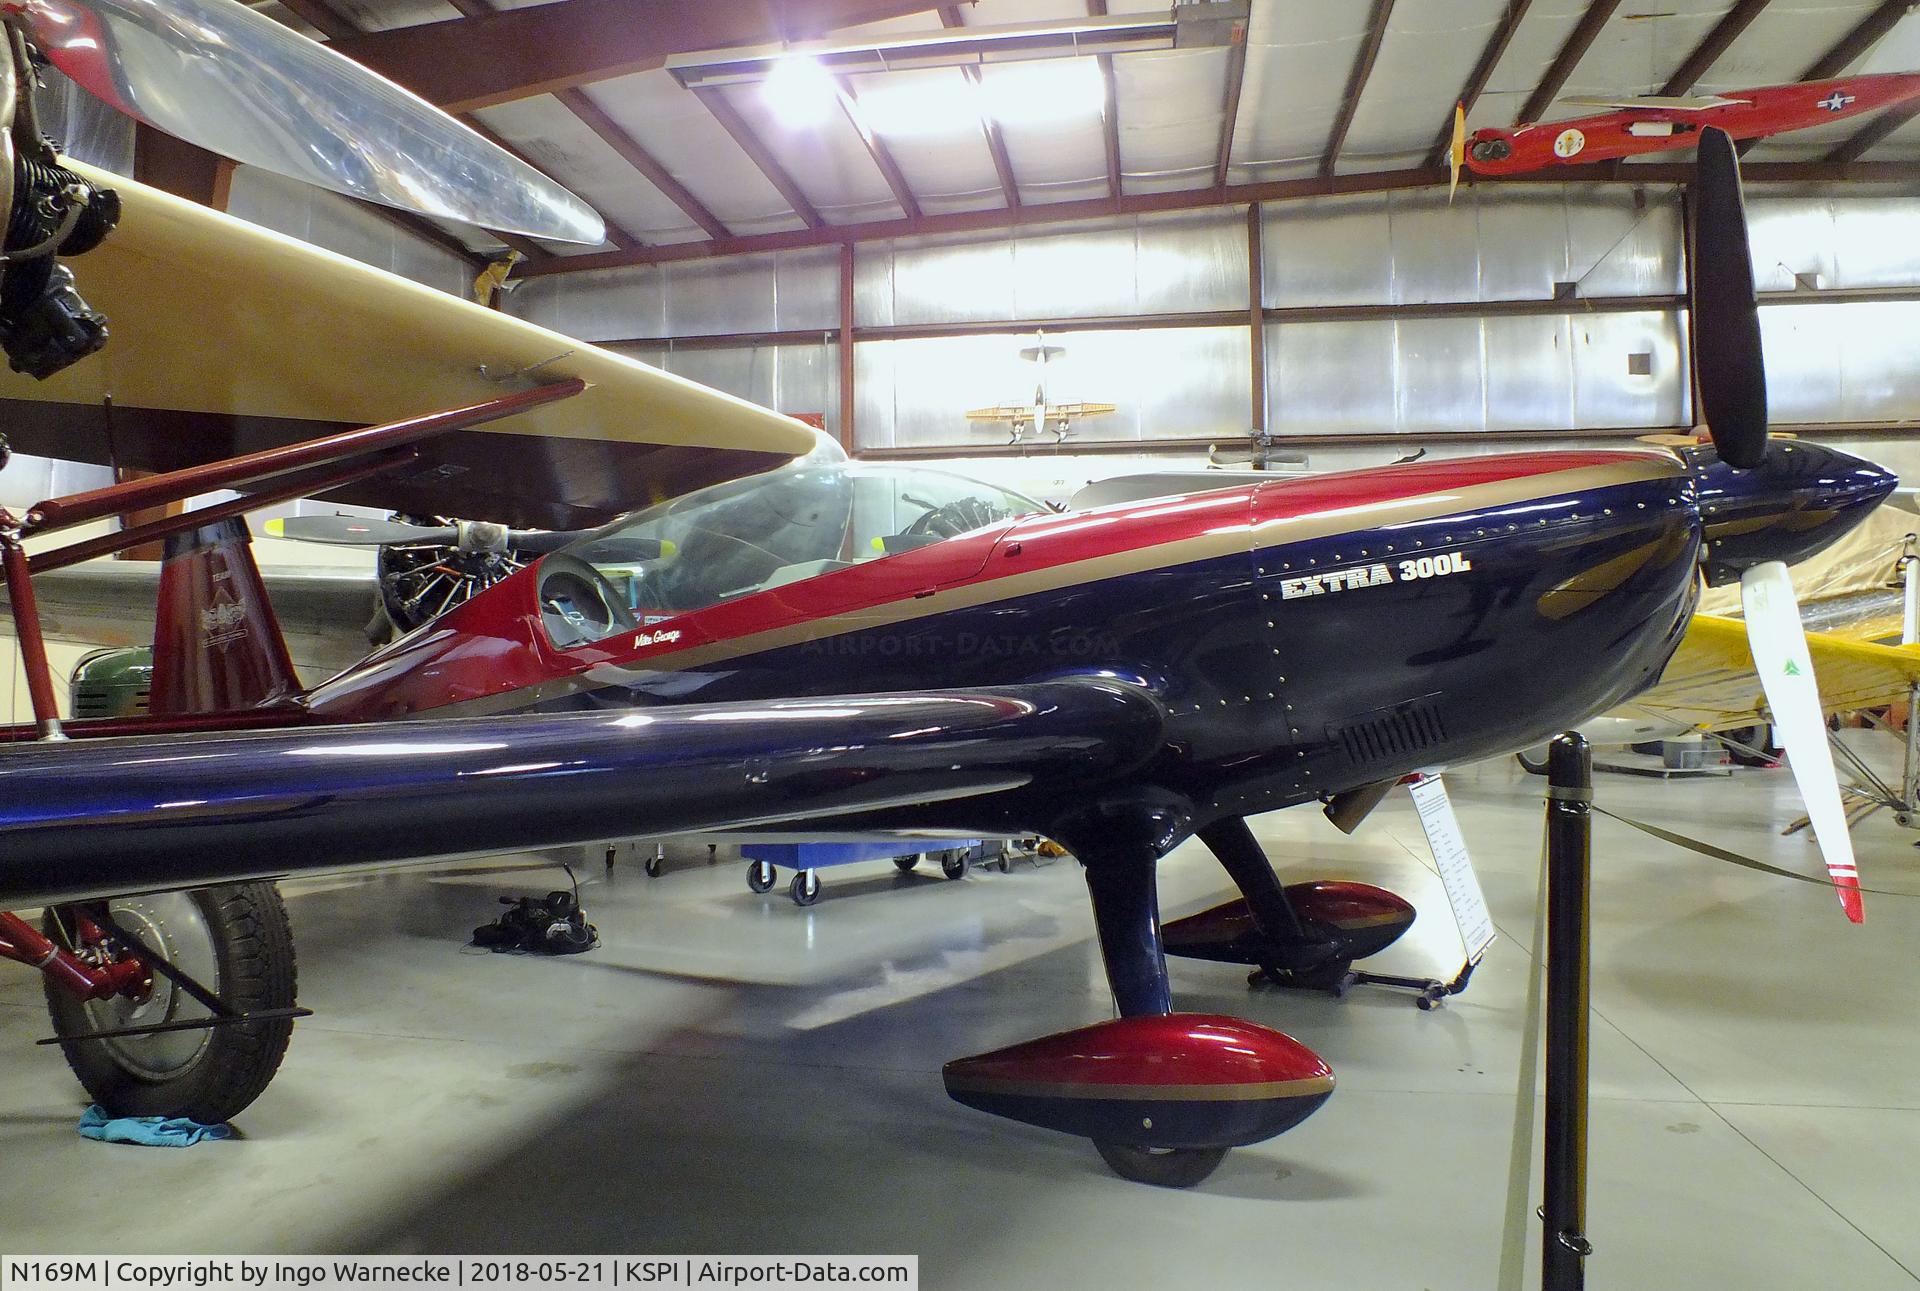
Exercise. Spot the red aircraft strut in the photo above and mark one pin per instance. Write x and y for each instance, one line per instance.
(299, 469)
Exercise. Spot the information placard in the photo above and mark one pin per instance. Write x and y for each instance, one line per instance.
(1449, 848)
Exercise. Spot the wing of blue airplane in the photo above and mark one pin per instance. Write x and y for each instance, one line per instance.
(164, 812)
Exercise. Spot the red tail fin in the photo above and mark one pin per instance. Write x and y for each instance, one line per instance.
(216, 644)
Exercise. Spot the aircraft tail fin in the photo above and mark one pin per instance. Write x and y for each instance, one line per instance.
(216, 644)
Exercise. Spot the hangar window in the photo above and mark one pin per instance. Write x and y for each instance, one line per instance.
(753, 534)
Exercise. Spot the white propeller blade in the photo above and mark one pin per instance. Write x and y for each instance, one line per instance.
(359, 531)
(1779, 646)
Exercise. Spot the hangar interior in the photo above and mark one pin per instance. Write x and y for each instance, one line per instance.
(1247, 247)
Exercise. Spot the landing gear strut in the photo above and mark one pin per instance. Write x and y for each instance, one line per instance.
(1162, 1095)
(1304, 936)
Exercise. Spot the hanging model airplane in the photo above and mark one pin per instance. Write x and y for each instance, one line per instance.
(875, 648)
(1040, 416)
(1661, 123)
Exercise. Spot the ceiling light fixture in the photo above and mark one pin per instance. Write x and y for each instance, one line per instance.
(1044, 93)
(1198, 24)
(800, 91)
(945, 103)
(930, 104)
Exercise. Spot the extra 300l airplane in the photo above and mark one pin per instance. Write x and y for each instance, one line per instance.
(822, 643)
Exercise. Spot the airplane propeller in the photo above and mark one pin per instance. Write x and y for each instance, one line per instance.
(423, 570)
(466, 535)
(1733, 403)
(217, 74)
(1726, 316)
(1779, 646)
(1456, 150)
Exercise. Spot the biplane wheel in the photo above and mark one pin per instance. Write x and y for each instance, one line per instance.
(761, 876)
(236, 941)
(905, 864)
(954, 864)
(1162, 1167)
(654, 865)
(805, 888)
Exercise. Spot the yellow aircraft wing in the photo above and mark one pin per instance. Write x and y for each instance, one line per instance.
(1849, 589)
(1024, 412)
(226, 337)
(1710, 682)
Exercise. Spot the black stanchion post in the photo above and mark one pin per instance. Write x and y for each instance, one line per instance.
(1569, 868)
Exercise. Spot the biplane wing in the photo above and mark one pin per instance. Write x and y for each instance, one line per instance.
(228, 338)
(1711, 684)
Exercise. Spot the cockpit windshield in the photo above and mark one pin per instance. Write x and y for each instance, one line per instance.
(753, 534)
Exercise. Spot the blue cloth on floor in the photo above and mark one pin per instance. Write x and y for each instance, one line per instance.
(149, 1131)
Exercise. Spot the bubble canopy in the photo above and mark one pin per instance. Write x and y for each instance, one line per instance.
(762, 532)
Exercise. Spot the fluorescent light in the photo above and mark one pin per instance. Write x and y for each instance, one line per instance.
(945, 102)
(1040, 93)
(800, 91)
(1185, 26)
(918, 104)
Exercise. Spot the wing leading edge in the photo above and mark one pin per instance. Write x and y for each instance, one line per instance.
(94, 818)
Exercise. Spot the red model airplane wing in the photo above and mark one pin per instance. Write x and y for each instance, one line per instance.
(1660, 124)
(174, 812)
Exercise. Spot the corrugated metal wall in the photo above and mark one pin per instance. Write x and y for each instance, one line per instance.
(1573, 371)
(1584, 367)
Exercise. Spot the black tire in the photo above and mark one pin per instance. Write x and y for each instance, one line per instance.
(905, 864)
(805, 888)
(1758, 738)
(761, 876)
(210, 1075)
(1161, 1167)
(955, 865)
(653, 867)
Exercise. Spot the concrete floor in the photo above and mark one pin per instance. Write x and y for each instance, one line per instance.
(731, 1073)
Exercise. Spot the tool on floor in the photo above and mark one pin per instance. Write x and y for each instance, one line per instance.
(550, 925)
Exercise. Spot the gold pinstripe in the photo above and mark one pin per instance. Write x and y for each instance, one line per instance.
(1236, 1093)
(1367, 921)
(1219, 542)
